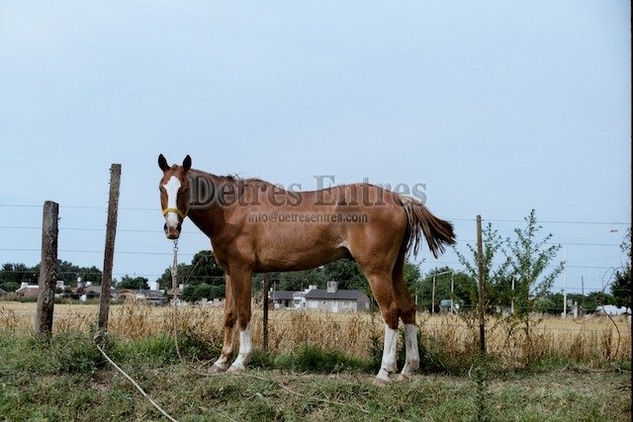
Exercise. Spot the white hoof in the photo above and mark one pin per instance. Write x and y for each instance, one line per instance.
(215, 368)
(379, 382)
(383, 377)
(236, 368)
(220, 365)
(404, 377)
(409, 368)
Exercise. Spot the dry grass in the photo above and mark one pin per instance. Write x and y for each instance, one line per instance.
(593, 339)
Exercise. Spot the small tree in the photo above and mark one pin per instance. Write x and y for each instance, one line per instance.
(621, 287)
(202, 291)
(496, 265)
(530, 257)
(128, 282)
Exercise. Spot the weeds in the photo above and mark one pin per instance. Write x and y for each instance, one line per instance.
(66, 379)
(447, 344)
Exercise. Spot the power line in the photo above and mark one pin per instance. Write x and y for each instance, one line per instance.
(508, 220)
(101, 229)
(494, 220)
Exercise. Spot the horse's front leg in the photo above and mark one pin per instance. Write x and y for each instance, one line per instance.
(230, 317)
(241, 290)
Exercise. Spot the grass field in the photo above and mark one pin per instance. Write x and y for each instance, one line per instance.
(595, 339)
(320, 367)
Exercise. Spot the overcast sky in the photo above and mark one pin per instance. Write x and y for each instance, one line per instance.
(497, 107)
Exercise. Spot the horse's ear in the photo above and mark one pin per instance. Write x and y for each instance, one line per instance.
(162, 163)
(186, 163)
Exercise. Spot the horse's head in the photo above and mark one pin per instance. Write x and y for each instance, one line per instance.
(174, 195)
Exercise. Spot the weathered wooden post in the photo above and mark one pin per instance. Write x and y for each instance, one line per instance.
(48, 271)
(265, 317)
(480, 271)
(108, 255)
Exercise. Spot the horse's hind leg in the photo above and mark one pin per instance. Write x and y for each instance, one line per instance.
(230, 317)
(407, 311)
(381, 287)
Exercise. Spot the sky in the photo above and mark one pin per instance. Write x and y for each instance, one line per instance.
(496, 107)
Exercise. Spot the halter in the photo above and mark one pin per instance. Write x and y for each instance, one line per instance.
(176, 210)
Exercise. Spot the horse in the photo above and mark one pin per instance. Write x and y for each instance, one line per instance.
(257, 227)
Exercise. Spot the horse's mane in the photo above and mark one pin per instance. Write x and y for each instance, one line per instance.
(232, 179)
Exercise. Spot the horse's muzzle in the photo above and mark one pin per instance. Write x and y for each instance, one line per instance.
(172, 232)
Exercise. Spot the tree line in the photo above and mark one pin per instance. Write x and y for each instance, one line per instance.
(519, 272)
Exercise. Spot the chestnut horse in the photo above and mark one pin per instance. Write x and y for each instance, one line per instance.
(255, 226)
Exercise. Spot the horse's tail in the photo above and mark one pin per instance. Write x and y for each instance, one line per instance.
(420, 221)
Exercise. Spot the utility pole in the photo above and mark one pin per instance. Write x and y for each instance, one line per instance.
(433, 297)
(512, 302)
(565, 292)
(565, 269)
(582, 289)
(453, 292)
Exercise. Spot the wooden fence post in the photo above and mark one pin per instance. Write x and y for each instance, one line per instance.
(108, 255)
(265, 317)
(481, 298)
(48, 271)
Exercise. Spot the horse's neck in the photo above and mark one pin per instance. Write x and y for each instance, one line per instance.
(208, 219)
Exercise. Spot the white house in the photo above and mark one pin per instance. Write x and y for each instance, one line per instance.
(331, 299)
(334, 300)
(613, 310)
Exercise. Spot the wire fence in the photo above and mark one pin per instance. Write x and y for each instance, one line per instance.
(441, 325)
(157, 231)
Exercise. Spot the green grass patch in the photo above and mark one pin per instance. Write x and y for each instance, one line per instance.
(67, 379)
(310, 358)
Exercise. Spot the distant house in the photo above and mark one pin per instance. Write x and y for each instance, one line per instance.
(331, 299)
(612, 310)
(334, 300)
(283, 299)
(28, 290)
(154, 297)
(93, 291)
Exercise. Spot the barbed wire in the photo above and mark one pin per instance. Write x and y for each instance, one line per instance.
(158, 231)
(436, 264)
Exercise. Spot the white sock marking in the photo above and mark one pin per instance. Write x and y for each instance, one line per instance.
(388, 365)
(412, 356)
(246, 347)
(221, 362)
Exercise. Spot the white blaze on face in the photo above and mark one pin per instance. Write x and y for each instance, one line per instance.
(171, 187)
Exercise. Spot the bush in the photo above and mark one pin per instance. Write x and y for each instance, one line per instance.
(545, 306)
(202, 291)
(310, 358)
(64, 353)
(10, 286)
